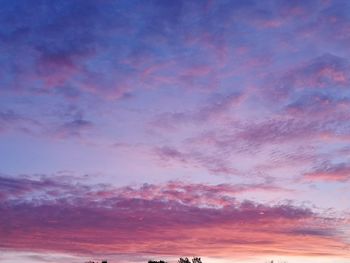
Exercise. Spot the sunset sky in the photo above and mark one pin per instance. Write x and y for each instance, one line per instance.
(137, 130)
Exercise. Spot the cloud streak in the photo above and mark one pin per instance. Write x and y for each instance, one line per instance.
(330, 172)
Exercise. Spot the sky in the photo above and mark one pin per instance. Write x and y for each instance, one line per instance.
(136, 130)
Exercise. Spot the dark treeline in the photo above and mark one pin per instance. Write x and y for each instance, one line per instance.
(181, 260)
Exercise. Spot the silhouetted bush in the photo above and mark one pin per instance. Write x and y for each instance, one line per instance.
(196, 260)
(183, 260)
(155, 261)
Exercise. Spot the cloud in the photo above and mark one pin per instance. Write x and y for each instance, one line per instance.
(99, 50)
(339, 172)
(106, 50)
(197, 194)
(11, 120)
(276, 104)
(318, 105)
(276, 131)
(7, 118)
(215, 109)
(73, 128)
(29, 187)
(59, 46)
(68, 124)
(150, 219)
(326, 72)
(214, 164)
(219, 150)
(331, 22)
(304, 103)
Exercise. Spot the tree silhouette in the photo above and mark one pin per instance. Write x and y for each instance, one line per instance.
(183, 260)
(186, 260)
(155, 261)
(196, 260)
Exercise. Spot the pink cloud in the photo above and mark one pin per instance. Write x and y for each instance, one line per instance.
(327, 72)
(330, 172)
(163, 220)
